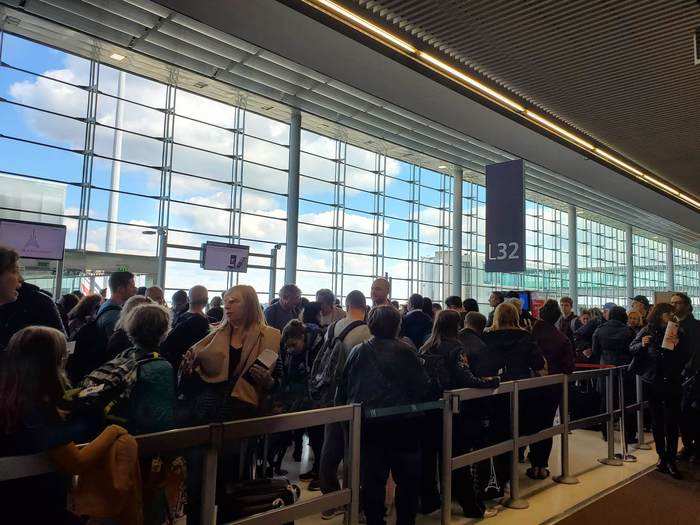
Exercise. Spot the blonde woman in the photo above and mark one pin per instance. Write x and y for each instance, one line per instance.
(511, 351)
(226, 359)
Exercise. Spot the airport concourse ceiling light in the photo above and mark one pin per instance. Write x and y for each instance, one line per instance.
(454, 73)
(117, 57)
(559, 129)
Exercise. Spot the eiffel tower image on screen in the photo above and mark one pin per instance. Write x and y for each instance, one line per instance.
(32, 242)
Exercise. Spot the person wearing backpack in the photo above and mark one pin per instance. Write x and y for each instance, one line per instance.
(446, 363)
(342, 336)
(91, 340)
(386, 372)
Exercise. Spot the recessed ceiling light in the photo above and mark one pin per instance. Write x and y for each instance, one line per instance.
(201, 85)
(442, 167)
(117, 57)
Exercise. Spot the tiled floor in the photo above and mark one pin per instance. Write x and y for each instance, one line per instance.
(547, 499)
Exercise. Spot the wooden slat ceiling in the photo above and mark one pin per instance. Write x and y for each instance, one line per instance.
(621, 71)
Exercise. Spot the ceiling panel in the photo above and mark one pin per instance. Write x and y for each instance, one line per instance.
(622, 71)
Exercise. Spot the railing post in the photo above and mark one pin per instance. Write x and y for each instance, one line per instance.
(624, 456)
(610, 405)
(209, 474)
(641, 439)
(451, 404)
(352, 515)
(566, 478)
(515, 501)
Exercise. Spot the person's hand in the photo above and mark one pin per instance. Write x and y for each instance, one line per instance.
(646, 340)
(673, 339)
(588, 352)
(261, 375)
(117, 430)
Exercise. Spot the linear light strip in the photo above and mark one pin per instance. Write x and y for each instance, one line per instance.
(469, 80)
(377, 30)
(559, 129)
(619, 162)
(459, 76)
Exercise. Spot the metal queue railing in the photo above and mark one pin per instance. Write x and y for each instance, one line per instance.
(215, 437)
(451, 407)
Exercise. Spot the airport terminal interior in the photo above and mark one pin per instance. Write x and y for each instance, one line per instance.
(341, 156)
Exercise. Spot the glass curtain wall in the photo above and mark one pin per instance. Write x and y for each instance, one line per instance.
(114, 157)
(602, 264)
(118, 158)
(686, 272)
(546, 249)
(363, 214)
(649, 260)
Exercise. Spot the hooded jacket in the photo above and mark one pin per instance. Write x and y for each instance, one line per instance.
(511, 354)
(611, 343)
(32, 307)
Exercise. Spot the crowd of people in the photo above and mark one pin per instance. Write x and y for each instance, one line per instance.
(97, 370)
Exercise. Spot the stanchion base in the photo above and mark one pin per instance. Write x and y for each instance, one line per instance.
(566, 480)
(518, 503)
(613, 462)
(628, 458)
(642, 446)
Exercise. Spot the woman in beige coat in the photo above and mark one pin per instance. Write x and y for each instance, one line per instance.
(226, 358)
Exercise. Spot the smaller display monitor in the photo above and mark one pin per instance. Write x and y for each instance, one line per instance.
(34, 240)
(225, 257)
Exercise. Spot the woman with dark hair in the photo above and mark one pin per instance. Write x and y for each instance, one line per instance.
(541, 404)
(32, 385)
(661, 370)
(428, 307)
(583, 336)
(82, 313)
(447, 363)
(300, 344)
(65, 304)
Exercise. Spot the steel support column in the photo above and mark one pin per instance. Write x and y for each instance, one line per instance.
(629, 266)
(290, 258)
(573, 257)
(669, 265)
(456, 259)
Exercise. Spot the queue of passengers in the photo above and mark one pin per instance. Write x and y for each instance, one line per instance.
(149, 368)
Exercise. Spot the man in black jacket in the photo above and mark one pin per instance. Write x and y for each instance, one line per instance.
(417, 325)
(470, 337)
(22, 304)
(690, 406)
(192, 326)
(385, 372)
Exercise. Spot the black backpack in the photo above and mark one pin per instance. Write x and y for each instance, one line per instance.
(329, 365)
(90, 349)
